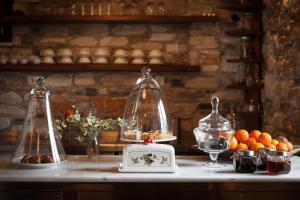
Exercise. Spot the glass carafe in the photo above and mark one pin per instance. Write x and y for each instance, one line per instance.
(38, 143)
(145, 113)
(214, 134)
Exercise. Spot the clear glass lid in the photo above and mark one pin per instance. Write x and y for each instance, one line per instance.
(38, 142)
(214, 120)
(145, 113)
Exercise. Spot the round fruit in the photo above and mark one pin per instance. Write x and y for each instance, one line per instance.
(250, 142)
(257, 146)
(265, 139)
(282, 138)
(148, 140)
(281, 146)
(271, 146)
(242, 135)
(274, 141)
(233, 143)
(289, 145)
(242, 146)
(254, 134)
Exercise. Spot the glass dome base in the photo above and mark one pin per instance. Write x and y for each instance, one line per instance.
(37, 166)
(154, 141)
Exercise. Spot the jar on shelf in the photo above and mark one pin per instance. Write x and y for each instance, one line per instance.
(262, 158)
(244, 161)
(279, 162)
(247, 49)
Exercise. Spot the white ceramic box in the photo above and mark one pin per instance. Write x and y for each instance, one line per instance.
(148, 158)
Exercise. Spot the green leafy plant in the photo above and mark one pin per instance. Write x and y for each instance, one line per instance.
(87, 125)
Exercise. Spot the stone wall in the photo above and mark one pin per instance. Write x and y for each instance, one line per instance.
(282, 73)
(188, 94)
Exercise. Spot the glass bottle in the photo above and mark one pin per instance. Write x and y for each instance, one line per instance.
(149, 8)
(92, 149)
(161, 8)
(247, 49)
(39, 142)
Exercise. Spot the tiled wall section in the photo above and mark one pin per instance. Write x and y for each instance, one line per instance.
(188, 94)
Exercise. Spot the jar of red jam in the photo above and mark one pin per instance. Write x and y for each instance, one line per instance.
(244, 161)
(279, 162)
(262, 155)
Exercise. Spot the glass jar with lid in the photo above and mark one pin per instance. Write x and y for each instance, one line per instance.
(279, 162)
(214, 133)
(262, 158)
(244, 161)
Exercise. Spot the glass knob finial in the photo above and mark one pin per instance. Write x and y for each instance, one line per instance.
(215, 104)
(146, 71)
(40, 82)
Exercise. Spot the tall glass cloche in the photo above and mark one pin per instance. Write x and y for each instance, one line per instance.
(146, 114)
(38, 144)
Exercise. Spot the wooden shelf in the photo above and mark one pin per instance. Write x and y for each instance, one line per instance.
(110, 18)
(246, 87)
(243, 8)
(243, 32)
(101, 67)
(242, 60)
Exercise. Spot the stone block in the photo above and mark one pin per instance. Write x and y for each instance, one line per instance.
(86, 79)
(162, 37)
(209, 68)
(147, 45)
(229, 95)
(176, 48)
(112, 41)
(202, 83)
(159, 28)
(58, 80)
(4, 123)
(193, 57)
(128, 30)
(118, 80)
(49, 40)
(14, 111)
(109, 106)
(84, 41)
(204, 42)
(10, 98)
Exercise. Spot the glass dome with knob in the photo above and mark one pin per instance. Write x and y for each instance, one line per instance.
(38, 145)
(146, 115)
(146, 120)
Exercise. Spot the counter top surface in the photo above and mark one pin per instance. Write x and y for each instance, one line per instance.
(105, 169)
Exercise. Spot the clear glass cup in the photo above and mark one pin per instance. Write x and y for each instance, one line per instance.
(214, 134)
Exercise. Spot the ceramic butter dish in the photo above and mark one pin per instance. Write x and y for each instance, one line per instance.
(148, 158)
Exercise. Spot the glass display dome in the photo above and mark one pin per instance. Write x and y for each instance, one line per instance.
(38, 143)
(145, 113)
